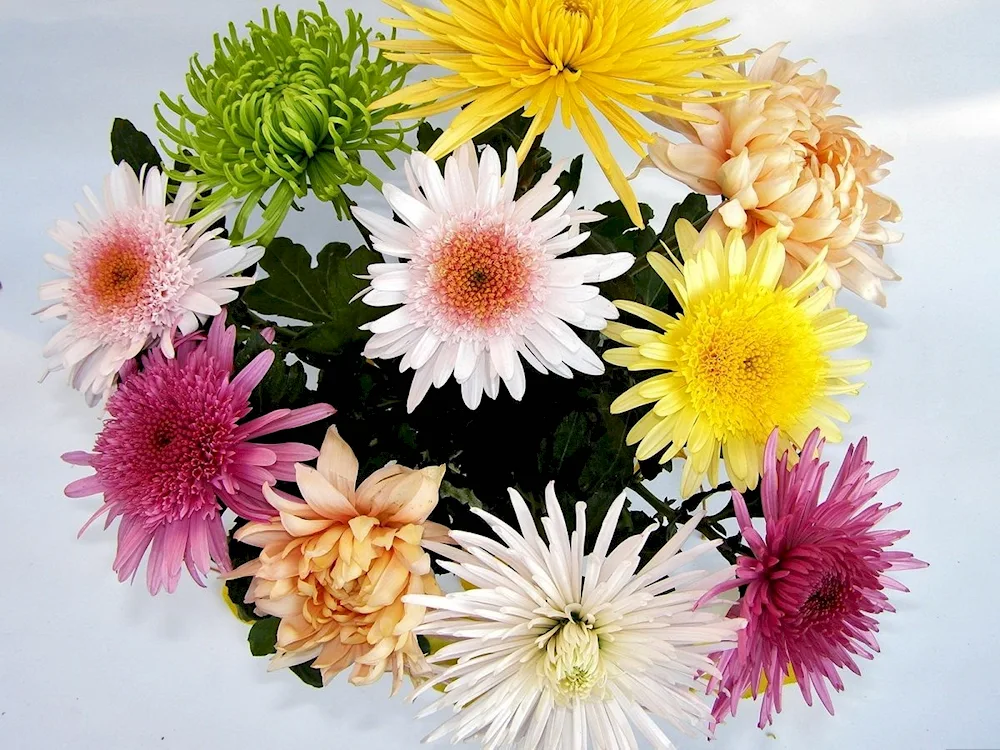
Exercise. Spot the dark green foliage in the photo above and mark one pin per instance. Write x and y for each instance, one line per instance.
(307, 674)
(263, 635)
(132, 146)
(319, 295)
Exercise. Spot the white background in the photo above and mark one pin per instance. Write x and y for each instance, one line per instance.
(88, 663)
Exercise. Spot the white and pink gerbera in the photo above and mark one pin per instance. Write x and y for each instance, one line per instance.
(481, 284)
(136, 277)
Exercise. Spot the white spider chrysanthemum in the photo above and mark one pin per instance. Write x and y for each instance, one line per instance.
(482, 284)
(567, 651)
(136, 277)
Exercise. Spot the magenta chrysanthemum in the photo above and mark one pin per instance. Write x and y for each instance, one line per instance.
(815, 583)
(174, 446)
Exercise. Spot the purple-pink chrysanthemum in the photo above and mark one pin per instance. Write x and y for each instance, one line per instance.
(174, 446)
(815, 583)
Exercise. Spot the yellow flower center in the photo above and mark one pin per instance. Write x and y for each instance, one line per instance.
(584, 7)
(751, 359)
(572, 662)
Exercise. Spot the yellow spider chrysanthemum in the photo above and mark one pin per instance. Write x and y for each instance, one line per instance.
(743, 357)
(538, 54)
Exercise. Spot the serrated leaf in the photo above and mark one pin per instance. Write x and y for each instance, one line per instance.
(463, 494)
(132, 146)
(694, 208)
(319, 294)
(283, 386)
(263, 635)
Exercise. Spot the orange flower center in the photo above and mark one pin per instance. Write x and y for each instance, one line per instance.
(117, 277)
(480, 275)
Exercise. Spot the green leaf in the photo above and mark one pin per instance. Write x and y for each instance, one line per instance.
(131, 145)
(263, 635)
(320, 294)
(463, 494)
(427, 135)
(568, 182)
(284, 385)
(236, 588)
(570, 436)
(694, 208)
(308, 675)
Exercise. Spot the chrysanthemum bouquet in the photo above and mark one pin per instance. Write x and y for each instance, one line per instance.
(289, 421)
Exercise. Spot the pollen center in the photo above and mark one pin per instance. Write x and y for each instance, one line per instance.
(572, 662)
(751, 359)
(583, 7)
(480, 276)
(118, 276)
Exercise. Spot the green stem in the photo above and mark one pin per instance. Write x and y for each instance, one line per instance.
(659, 505)
(365, 234)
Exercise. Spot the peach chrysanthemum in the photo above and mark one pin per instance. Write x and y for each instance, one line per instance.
(781, 159)
(335, 567)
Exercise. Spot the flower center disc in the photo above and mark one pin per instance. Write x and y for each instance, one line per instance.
(572, 662)
(577, 6)
(118, 275)
(751, 360)
(480, 276)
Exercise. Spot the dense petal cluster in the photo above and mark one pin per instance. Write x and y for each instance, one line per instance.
(610, 55)
(283, 112)
(175, 445)
(135, 277)
(557, 648)
(815, 583)
(781, 159)
(482, 285)
(335, 566)
(743, 357)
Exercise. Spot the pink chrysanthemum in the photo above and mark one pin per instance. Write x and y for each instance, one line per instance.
(815, 583)
(136, 277)
(174, 446)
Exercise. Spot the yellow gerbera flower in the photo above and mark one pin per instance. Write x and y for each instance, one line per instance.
(743, 357)
(538, 54)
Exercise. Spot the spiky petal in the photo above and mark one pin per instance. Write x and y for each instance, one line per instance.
(816, 581)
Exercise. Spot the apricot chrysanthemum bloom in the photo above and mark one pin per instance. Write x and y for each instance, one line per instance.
(175, 444)
(335, 567)
(743, 357)
(780, 159)
(609, 55)
(815, 582)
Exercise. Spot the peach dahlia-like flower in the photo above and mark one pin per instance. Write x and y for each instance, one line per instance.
(780, 159)
(335, 567)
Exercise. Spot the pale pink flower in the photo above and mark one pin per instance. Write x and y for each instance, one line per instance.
(815, 583)
(136, 276)
(175, 445)
(780, 159)
(480, 281)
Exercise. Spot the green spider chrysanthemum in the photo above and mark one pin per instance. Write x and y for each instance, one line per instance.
(281, 113)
